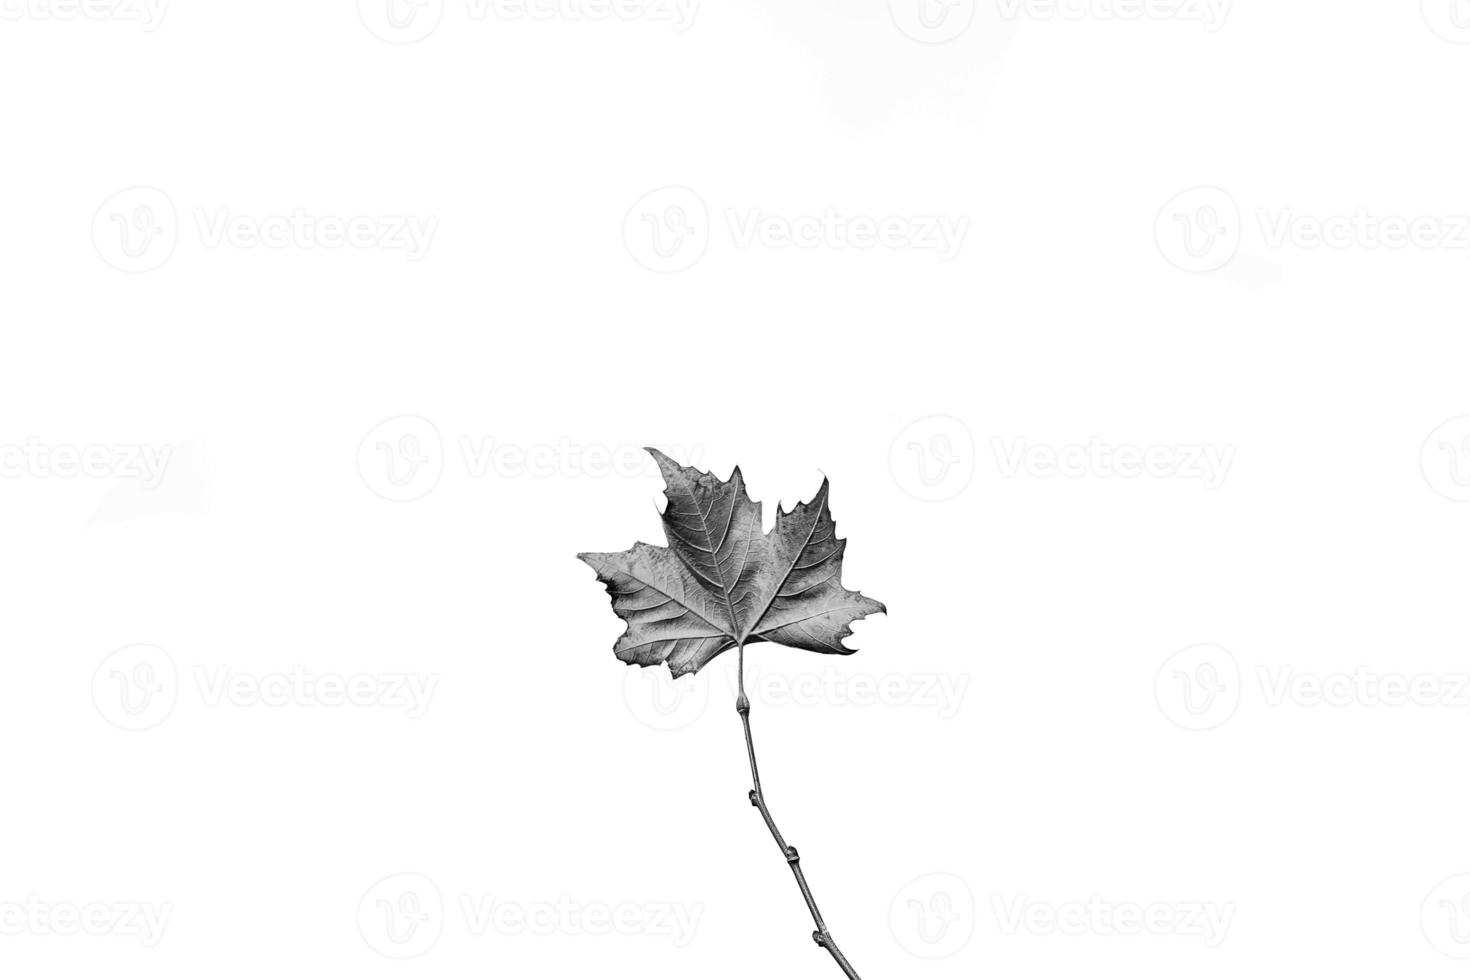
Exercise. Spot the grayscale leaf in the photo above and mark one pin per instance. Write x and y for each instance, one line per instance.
(722, 582)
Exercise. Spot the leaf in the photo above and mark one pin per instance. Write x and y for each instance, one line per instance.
(723, 582)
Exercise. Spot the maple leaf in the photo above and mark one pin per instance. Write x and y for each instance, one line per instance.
(722, 582)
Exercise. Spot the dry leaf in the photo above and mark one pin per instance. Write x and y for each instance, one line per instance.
(722, 582)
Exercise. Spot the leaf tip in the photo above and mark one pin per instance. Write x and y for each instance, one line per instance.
(668, 467)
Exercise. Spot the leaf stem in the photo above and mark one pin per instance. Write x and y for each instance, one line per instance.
(821, 936)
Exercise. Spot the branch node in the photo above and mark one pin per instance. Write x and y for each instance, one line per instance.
(819, 939)
(755, 799)
(791, 856)
(742, 705)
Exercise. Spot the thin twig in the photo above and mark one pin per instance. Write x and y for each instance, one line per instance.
(821, 936)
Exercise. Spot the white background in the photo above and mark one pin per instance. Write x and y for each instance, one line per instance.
(381, 461)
